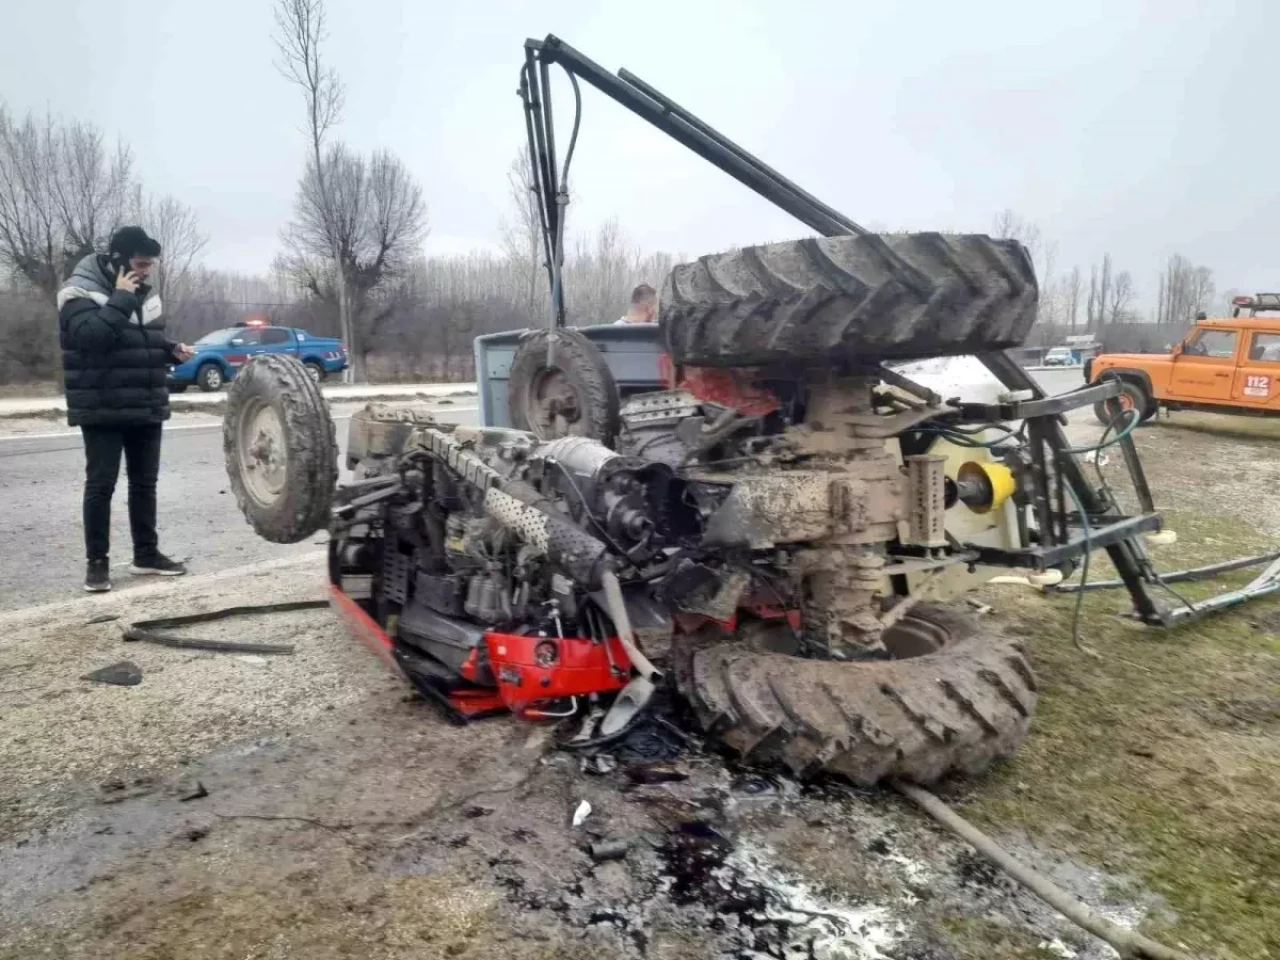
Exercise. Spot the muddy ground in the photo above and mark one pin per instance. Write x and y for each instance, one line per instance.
(307, 806)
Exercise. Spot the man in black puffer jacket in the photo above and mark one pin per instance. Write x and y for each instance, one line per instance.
(116, 360)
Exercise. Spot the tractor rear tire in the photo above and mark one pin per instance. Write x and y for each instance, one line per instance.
(958, 697)
(280, 448)
(854, 299)
(573, 394)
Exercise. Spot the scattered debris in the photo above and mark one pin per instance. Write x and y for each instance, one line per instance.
(197, 833)
(580, 815)
(598, 764)
(1093, 456)
(609, 850)
(156, 631)
(650, 773)
(126, 673)
(199, 793)
(780, 914)
(1057, 948)
(102, 618)
(981, 608)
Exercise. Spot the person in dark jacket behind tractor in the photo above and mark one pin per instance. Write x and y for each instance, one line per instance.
(116, 360)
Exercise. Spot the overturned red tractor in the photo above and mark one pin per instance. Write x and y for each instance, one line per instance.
(774, 534)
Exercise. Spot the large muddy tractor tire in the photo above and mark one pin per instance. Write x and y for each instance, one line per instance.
(956, 697)
(565, 392)
(281, 449)
(855, 299)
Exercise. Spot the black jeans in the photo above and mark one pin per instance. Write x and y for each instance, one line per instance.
(102, 449)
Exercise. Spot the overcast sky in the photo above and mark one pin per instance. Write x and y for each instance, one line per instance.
(1141, 129)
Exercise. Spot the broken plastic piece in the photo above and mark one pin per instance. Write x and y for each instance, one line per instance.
(580, 815)
(599, 764)
(1045, 578)
(631, 700)
(609, 850)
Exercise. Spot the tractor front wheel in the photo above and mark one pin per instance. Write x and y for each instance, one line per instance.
(560, 385)
(280, 448)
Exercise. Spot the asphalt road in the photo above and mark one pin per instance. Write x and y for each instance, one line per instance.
(41, 478)
(41, 552)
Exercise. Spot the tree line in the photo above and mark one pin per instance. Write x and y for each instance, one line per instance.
(350, 262)
(1105, 299)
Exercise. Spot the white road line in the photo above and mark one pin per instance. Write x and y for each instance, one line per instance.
(179, 585)
(185, 426)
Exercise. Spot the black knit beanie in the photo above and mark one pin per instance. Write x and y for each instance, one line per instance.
(133, 242)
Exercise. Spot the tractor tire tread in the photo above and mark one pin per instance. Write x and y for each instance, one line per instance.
(312, 469)
(850, 298)
(957, 709)
(584, 364)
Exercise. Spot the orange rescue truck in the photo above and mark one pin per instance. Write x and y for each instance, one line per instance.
(1223, 365)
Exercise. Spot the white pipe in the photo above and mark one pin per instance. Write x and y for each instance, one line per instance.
(618, 612)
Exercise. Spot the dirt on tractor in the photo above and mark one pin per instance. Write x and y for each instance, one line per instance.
(308, 805)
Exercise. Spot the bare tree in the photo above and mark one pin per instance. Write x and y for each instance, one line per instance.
(1119, 298)
(176, 227)
(522, 237)
(597, 274)
(1185, 290)
(375, 217)
(1092, 310)
(61, 196)
(91, 187)
(300, 31)
(1052, 308)
(1073, 286)
(1201, 289)
(1101, 295)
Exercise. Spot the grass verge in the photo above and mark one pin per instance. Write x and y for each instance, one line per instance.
(1160, 759)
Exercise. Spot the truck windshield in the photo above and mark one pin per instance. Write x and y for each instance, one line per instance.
(218, 338)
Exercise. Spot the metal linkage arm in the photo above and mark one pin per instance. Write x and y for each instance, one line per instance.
(678, 123)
